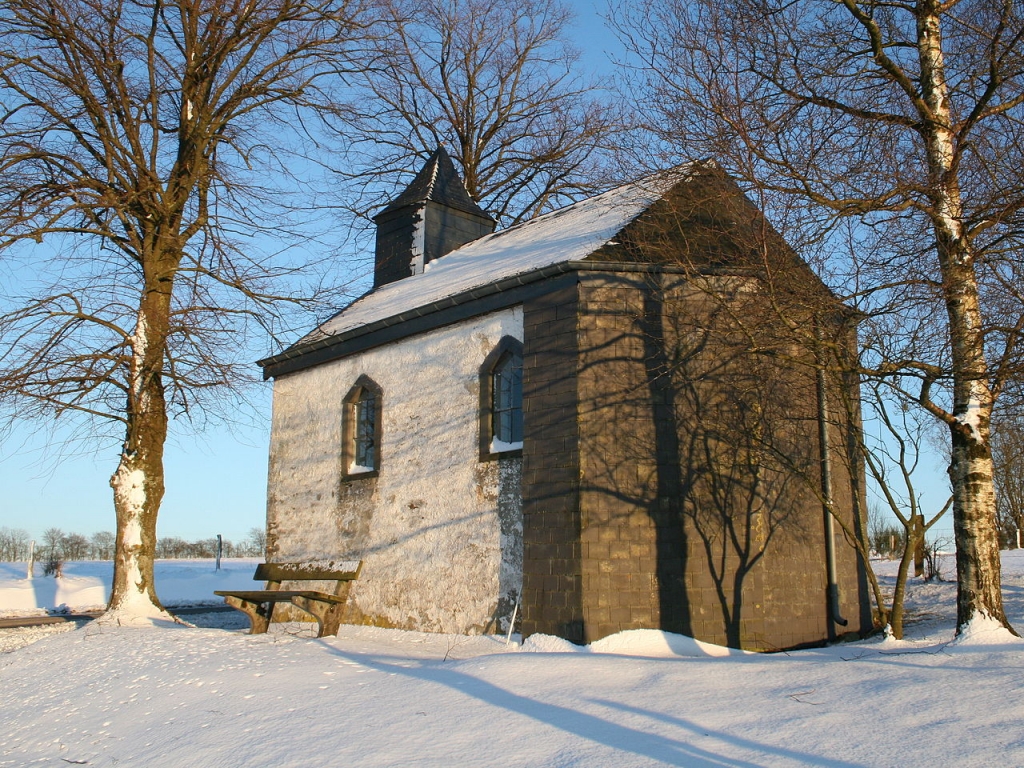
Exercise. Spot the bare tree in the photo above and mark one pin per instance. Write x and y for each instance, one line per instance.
(1008, 455)
(892, 459)
(102, 545)
(256, 542)
(493, 82)
(172, 547)
(135, 141)
(14, 544)
(75, 546)
(903, 119)
(53, 541)
(884, 536)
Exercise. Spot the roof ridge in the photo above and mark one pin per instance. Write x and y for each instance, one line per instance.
(433, 175)
(659, 182)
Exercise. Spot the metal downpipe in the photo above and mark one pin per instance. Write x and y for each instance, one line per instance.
(828, 501)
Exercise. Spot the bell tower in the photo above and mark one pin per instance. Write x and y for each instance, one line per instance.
(432, 217)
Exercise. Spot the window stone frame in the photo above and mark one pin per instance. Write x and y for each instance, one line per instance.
(507, 344)
(348, 427)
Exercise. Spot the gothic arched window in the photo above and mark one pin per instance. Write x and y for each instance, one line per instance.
(501, 389)
(361, 428)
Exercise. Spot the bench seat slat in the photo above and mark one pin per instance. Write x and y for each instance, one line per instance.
(279, 595)
(343, 570)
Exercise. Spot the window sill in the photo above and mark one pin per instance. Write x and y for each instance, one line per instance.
(501, 451)
(500, 446)
(360, 473)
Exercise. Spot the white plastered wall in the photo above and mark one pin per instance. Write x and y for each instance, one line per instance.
(436, 556)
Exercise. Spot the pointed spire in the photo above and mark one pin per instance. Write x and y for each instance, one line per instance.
(432, 217)
(437, 182)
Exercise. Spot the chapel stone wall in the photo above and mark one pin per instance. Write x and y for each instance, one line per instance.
(652, 495)
(439, 531)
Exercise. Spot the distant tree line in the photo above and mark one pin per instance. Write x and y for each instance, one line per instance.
(57, 545)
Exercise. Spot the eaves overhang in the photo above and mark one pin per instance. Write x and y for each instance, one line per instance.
(489, 297)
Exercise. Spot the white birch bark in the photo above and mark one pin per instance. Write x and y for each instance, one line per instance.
(971, 469)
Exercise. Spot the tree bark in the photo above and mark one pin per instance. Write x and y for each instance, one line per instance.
(974, 527)
(899, 592)
(138, 483)
(974, 509)
(917, 529)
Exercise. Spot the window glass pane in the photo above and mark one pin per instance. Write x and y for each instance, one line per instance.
(517, 401)
(365, 423)
(507, 407)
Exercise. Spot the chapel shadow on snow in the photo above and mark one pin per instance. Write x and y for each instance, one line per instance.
(608, 730)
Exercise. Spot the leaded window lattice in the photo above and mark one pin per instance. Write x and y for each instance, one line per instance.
(507, 391)
(365, 437)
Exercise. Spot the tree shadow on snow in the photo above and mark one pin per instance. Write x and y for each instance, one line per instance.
(592, 728)
(801, 757)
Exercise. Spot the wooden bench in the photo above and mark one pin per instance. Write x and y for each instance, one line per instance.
(258, 604)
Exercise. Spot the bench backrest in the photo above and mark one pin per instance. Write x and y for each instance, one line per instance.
(328, 570)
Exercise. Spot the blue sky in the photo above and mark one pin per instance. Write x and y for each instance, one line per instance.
(216, 482)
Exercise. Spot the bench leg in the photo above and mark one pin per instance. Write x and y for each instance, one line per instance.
(259, 613)
(327, 615)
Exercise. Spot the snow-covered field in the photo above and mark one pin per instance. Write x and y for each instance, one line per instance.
(212, 696)
(85, 586)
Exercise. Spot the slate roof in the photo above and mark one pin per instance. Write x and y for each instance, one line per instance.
(568, 234)
(436, 182)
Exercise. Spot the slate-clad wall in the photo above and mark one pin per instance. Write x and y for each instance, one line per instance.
(552, 580)
(449, 228)
(416, 235)
(646, 502)
(395, 244)
(621, 537)
(439, 531)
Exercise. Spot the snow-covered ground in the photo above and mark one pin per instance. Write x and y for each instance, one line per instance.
(85, 585)
(210, 696)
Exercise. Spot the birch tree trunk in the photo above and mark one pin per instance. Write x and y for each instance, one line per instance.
(975, 524)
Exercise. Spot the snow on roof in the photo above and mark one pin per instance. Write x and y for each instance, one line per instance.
(568, 234)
